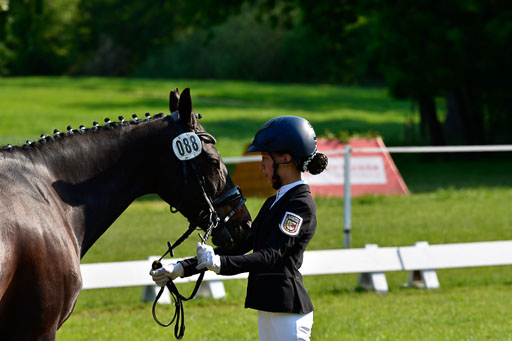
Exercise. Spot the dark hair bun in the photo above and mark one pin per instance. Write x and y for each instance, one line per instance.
(318, 164)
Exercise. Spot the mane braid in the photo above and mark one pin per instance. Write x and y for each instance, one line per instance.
(82, 131)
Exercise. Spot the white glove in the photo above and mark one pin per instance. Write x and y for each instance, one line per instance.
(171, 271)
(206, 258)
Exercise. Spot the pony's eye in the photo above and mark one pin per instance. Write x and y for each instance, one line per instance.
(214, 161)
(211, 159)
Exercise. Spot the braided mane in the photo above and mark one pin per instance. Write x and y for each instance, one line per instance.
(109, 125)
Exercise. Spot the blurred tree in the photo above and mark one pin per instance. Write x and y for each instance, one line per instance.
(35, 36)
(412, 55)
(4, 51)
(457, 49)
(332, 24)
(115, 35)
(246, 46)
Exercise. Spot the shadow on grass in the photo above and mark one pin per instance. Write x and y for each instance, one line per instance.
(239, 95)
(430, 172)
(159, 103)
(246, 128)
(149, 104)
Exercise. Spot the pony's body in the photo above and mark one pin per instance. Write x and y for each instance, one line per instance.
(60, 196)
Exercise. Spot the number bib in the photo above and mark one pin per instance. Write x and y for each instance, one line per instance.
(187, 146)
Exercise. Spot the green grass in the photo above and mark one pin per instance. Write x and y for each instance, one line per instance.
(453, 199)
(472, 304)
(463, 313)
(233, 111)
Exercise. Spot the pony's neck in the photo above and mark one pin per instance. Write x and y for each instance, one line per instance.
(97, 175)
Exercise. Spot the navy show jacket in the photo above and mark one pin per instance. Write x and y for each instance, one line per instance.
(278, 239)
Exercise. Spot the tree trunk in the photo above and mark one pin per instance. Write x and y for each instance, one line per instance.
(500, 118)
(471, 113)
(429, 119)
(39, 7)
(3, 25)
(453, 126)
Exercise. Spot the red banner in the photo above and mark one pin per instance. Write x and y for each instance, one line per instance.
(370, 173)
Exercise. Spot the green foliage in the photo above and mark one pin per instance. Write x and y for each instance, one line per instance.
(246, 48)
(37, 37)
(452, 49)
(220, 52)
(116, 35)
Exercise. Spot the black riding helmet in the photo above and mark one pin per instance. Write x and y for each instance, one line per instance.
(285, 134)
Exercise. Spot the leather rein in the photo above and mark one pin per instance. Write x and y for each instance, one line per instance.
(213, 220)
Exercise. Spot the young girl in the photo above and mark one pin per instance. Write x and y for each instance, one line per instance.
(280, 233)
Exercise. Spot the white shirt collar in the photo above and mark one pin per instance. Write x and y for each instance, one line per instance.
(285, 189)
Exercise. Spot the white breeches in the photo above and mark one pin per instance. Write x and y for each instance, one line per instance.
(284, 326)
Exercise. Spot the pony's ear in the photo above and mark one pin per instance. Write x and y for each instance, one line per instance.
(174, 98)
(187, 114)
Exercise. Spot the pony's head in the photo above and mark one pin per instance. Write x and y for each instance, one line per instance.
(198, 184)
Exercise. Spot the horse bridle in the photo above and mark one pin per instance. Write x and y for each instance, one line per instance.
(209, 215)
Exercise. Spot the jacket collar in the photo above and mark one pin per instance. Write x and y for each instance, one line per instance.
(291, 192)
(284, 189)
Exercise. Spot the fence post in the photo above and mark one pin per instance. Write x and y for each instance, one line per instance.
(347, 214)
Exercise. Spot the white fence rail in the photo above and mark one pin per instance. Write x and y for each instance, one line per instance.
(371, 262)
(409, 149)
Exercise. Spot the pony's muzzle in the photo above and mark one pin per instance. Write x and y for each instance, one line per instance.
(222, 237)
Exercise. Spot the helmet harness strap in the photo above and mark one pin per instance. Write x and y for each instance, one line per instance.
(276, 179)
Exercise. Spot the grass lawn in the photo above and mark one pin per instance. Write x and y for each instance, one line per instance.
(233, 111)
(453, 198)
(472, 304)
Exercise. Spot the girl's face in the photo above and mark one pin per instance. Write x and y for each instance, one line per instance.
(266, 164)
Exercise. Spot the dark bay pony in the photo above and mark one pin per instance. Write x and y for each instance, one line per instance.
(59, 195)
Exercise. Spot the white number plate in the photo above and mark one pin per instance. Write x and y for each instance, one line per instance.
(187, 146)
